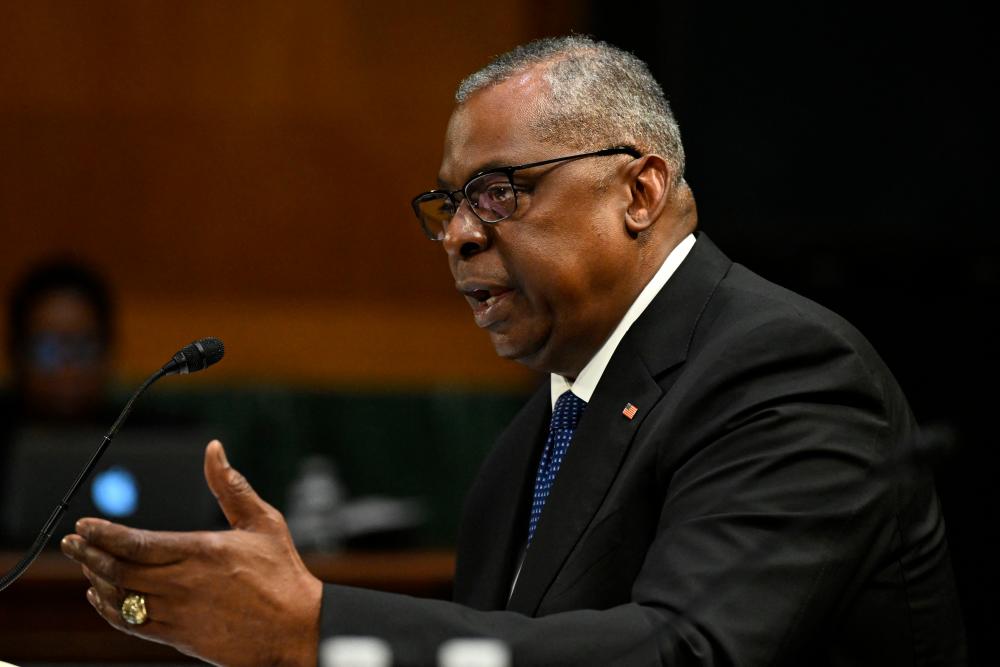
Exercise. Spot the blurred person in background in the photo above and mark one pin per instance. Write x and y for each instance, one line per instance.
(60, 335)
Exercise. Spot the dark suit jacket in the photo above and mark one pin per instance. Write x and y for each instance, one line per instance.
(765, 506)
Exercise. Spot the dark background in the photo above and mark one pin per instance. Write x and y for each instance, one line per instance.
(846, 150)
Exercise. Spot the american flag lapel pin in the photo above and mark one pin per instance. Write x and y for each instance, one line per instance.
(630, 410)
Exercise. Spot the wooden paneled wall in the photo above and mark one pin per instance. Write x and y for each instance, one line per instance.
(244, 170)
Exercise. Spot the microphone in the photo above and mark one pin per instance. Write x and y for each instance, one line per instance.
(197, 356)
(192, 358)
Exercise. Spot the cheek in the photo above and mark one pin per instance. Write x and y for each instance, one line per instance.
(567, 272)
(555, 293)
(564, 252)
(537, 263)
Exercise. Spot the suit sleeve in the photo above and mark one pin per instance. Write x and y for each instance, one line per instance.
(777, 465)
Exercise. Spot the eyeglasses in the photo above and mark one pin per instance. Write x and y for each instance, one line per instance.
(491, 194)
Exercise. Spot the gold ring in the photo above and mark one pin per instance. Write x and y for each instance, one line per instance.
(134, 609)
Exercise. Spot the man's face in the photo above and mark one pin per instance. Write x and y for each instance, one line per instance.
(550, 282)
(64, 369)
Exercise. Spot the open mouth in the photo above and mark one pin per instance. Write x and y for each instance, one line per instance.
(487, 297)
(490, 303)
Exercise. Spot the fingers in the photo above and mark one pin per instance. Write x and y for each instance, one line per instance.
(113, 595)
(107, 600)
(120, 573)
(109, 608)
(135, 545)
(242, 506)
(107, 603)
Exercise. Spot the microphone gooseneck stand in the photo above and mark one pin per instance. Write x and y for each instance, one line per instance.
(194, 357)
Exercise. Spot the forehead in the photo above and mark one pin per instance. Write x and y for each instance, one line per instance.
(492, 128)
(62, 310)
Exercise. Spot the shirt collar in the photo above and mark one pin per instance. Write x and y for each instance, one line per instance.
(586, 381)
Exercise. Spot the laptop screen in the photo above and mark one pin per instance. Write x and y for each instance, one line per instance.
(148, 478)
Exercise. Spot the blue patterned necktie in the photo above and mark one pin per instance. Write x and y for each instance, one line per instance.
(565, 416)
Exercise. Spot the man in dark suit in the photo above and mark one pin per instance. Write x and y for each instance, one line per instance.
(718, 472)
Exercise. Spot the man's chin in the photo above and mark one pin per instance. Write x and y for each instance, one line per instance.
(530, 353)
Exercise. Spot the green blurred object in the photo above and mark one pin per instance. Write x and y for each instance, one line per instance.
(425, 445)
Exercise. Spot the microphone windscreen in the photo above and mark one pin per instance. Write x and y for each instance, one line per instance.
(195, 356)
(205, 352)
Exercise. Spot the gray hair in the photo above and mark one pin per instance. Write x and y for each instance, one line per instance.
(601, 96)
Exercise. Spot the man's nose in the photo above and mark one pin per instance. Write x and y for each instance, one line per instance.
(465, 234)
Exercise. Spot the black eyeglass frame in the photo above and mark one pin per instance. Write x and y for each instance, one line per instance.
(509, 172)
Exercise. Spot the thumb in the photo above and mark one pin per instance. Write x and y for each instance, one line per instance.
(242, 506)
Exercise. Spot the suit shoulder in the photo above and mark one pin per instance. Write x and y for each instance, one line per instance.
(760, 323)
(744, 302)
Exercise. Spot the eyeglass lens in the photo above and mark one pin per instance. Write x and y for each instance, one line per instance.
(491, 196)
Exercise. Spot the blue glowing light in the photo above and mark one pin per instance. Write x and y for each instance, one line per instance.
(115, 492)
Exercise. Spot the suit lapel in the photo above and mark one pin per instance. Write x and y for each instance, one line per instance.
(656, 342)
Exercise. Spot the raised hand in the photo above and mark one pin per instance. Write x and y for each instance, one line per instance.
(236, 597)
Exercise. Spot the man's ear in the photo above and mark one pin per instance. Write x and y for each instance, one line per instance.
(650, 182)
